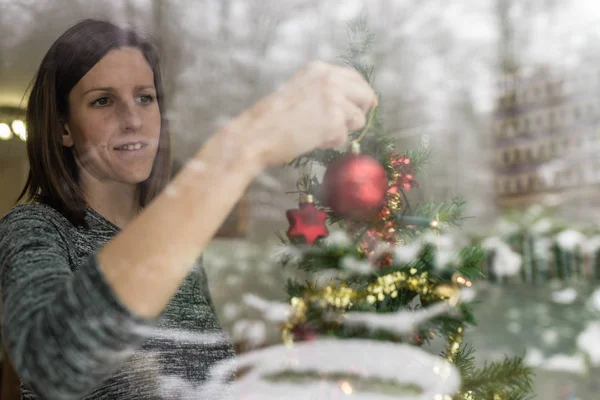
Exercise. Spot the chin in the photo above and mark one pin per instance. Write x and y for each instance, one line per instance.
(136, 177)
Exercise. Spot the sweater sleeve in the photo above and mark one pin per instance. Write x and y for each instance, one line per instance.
(64, 332)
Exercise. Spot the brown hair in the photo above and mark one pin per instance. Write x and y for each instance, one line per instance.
(53, 176)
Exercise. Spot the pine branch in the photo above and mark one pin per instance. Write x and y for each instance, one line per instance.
(464, 360)
(320, 257)
(510, 377)
(294, 289)
(418, 157)
(377, 143)
(518, 394)
(283, 240)
(470, 262)
(449, 212)
(360, 43)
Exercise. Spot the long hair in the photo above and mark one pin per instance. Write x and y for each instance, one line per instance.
(53, 175)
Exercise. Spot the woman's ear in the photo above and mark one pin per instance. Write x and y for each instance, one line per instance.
(67, 139)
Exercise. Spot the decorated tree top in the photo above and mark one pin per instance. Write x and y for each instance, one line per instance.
(387, 271)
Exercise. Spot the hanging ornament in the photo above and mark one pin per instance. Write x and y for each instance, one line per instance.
(307, 222)
(355, 185)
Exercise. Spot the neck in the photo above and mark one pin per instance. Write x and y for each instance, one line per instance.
(117, 202)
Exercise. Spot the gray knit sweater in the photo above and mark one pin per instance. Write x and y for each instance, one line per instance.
(69, 337)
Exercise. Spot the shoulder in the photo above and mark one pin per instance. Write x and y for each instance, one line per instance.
(32, 212)
(32, 219)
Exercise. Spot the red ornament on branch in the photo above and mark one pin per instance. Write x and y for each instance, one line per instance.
(307, 222)
(303, 333)
(355, 185)
(403, 172)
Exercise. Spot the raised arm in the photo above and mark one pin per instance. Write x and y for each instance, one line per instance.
(148, 260)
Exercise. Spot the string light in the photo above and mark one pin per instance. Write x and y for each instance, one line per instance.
(12, 123)
(461, 280)
(346, 388)
(15, 127)
(19, 129)
(5, 132)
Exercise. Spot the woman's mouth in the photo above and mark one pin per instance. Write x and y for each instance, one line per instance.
(131, 146)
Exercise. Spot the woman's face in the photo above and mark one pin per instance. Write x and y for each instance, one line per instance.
(114, 121)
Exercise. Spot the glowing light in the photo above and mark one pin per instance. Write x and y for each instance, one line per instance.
(19, 129)
(434, 223)
(5, 132)
(346, 388)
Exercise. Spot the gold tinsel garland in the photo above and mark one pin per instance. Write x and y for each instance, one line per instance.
(341, 298)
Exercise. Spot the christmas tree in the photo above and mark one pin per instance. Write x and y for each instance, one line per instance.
(379, 271)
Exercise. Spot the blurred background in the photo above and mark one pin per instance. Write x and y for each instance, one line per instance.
(504, 92)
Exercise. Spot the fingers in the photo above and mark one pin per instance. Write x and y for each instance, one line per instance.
(353, 101)
(356, 88)
(351, 118)
(363, 96)
(321, 105)
(345, 81)
(334, 144)
(355, 117)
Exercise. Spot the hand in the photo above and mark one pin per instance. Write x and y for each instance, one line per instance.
(317, 108)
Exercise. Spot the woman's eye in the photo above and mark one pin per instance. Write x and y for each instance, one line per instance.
(102, 101)
(146, 99)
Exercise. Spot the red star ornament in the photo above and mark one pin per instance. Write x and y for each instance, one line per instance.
(307, 222)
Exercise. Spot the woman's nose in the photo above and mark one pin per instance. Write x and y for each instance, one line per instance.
(130, 116)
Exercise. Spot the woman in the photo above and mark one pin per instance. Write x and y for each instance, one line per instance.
(102, 258)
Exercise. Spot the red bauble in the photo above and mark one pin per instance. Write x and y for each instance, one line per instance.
(307, 222)
(355, 186)
(303, 333)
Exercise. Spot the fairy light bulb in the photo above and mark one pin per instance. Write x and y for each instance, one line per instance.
(5, 132)
(19, 129)
(346, 387)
